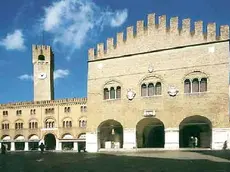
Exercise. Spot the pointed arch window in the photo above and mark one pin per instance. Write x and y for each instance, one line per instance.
(203, 85)
(150, 89)
(5, 125)
(187, 86)
(143, 90)
(18, 125)
(112, 93)
(195, 85)
(158, 88)
(106, 93)
(118, 92)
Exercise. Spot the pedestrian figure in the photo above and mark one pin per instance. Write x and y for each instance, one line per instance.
(225, 145)
(192, 141)
(3, 149)
(42, 146)
(196, 141)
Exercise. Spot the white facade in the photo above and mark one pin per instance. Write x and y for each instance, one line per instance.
(219, 136)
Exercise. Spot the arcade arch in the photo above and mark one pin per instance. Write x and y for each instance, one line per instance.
(33, 142)
(67, 142)
(110, 134)
(150, 133)
(198, 127)
(19, 142)
(6, 140)
(50, 141)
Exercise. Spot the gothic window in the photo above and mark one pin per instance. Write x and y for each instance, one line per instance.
(67, 123)
(195, 85)
(49, 111)
(112, 93)
(203, 85)
(187, 86)
(49, 123)
(67, 109)
(83, 108)
(158, 88)
(18, 112)
(118, 92)
(32, 111)
(18, 125)
(150, 89)
(82, 122)
(5, 113)
(112, 90)
(33, 124)
(106, 93)
(143, 90)
(5, 125)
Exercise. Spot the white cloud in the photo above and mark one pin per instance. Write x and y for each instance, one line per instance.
(73, 22)
(119, 18)
(61, 73)
(14, 41)
(26, 77)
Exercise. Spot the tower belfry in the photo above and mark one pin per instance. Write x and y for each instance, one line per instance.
(43, 68)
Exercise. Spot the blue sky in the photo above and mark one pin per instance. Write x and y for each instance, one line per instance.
(71, 27)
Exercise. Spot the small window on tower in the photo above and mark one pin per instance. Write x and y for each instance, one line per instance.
(41, 57)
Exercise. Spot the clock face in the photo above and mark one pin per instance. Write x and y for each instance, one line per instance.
(42, 75)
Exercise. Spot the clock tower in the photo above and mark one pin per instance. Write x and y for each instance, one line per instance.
(43, 70)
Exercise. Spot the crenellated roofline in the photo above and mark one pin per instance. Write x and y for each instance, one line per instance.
(157, 35)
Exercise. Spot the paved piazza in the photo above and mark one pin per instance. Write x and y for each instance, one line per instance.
(146, 161)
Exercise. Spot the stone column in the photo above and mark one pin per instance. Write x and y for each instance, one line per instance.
(26, 146)
(75, 146)
(172, 138)
(91, 142)
(12, 146)
(129, 138)
(58, 145)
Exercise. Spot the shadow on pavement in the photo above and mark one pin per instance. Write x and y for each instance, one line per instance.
(84, 162)
(217, 153)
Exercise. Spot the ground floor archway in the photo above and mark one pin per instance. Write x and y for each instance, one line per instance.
(195, 131)
(6, 140)
(19, 142)
(150, 133)
(33, 142)
(110, 134)
(50, 141)
(67, 142)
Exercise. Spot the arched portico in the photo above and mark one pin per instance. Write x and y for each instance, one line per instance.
(150, 133)
(67, 142)
(6, 140)
(110, 134)
(19, 142)
(50, 141)
(33, 142)
(198, 127)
